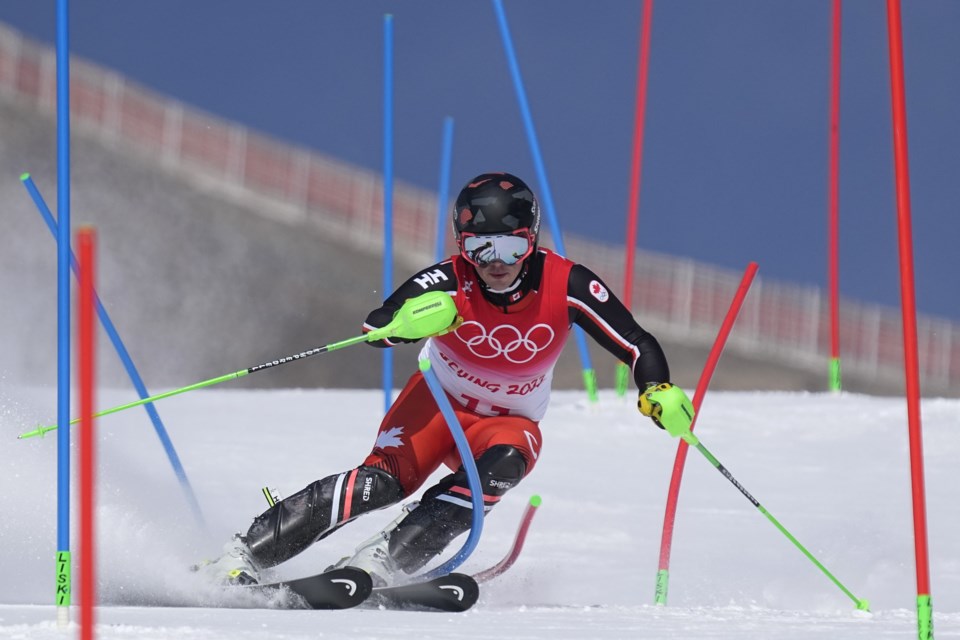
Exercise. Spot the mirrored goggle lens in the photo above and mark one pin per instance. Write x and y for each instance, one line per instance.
(508, 249)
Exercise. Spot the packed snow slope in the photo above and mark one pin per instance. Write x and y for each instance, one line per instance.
(833, 469)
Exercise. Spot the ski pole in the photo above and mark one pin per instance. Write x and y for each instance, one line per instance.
(430, 314)
(694, 441)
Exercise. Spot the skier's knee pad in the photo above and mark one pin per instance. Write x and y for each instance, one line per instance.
(500, 468)
(446, 509)
(293, 524)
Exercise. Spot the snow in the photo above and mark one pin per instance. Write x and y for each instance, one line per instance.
(833, 469)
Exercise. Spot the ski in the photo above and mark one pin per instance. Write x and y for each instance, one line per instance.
(348, 587)
(453, 592)
(341, 588)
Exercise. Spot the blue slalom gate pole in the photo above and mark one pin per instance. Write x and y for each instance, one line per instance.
(589, 375)
(63, 564)
(444, 195)
(125, 358)
(469, 465)
(387, 194)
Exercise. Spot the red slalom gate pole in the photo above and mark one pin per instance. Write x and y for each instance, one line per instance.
(909, 313)
(636, 165)
(673, 493)
(514, 553)
(833, 223)
(86, 239)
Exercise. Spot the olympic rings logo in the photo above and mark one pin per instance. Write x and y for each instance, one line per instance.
(505, 340)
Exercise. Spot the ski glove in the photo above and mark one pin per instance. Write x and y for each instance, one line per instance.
(668, 406)
(429, 314)
(453, 327)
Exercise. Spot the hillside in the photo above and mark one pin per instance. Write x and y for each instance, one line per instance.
(198, 284)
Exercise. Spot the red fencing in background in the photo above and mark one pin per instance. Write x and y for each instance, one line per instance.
(676, 297)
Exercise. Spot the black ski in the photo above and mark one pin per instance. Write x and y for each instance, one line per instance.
(334, 589)
(453, 592)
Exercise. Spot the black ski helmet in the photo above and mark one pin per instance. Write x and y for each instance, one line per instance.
(496, 203)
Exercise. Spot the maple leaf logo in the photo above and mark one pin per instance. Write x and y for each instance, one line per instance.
(599, 291)
(389, 438)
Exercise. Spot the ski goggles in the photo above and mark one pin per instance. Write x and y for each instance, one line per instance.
(507, 248)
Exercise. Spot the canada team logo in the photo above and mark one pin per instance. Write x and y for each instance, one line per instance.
(505, 340)
(599, 291)
(389, 438)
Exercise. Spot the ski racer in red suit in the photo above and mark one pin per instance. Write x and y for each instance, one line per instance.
(518, 302)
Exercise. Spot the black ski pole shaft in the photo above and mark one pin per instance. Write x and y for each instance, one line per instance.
(207, 383)
(432, 313)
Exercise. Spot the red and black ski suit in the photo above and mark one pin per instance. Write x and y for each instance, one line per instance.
(496, 369)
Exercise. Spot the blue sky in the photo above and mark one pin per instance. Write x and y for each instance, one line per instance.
(736, 144)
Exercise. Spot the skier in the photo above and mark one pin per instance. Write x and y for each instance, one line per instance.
(517, 302)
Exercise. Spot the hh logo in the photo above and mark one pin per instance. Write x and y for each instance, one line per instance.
(429, 278)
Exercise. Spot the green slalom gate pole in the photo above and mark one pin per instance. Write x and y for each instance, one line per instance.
(694, 441)
(835, 383)
(924, 617)
(430, 314)
(622, 381)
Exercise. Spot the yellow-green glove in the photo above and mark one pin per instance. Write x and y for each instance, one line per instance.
(669, 408)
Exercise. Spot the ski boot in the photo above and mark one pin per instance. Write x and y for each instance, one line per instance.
(373, 555)
(234, 567)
